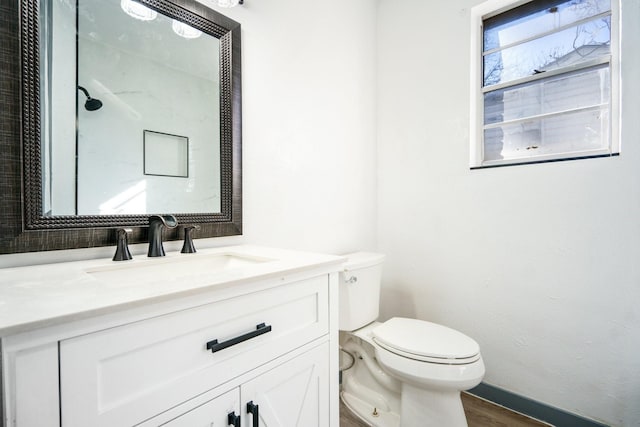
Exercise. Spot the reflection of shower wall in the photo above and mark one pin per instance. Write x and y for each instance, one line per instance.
(58, 130)
(140, 94)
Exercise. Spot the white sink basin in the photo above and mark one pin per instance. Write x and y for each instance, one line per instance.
(176, 267)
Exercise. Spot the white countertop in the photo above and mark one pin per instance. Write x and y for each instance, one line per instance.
(32, 297)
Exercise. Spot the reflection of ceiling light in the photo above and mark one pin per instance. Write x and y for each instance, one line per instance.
(138, 10)
(184, 30)
(228, 3)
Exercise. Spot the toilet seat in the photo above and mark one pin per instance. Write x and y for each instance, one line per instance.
(426, 342)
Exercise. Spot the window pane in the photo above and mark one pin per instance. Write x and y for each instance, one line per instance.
(538, 17)
(579, 89)
(566, 133)
(574, 45)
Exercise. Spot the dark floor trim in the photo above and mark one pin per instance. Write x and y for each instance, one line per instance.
(529, 407)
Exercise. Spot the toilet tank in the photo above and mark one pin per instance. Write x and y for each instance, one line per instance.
(360, 290)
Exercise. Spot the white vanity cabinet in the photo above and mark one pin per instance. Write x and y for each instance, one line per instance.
(263, 349)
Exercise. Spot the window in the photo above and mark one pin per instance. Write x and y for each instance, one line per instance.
(544, 81)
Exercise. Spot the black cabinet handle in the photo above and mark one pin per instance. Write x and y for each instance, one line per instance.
(233, 419)
(253, 409)
(216, 346)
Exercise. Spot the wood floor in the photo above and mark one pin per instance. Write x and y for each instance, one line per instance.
(480, 413)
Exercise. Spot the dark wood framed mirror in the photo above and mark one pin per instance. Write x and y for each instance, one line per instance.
(26, 224)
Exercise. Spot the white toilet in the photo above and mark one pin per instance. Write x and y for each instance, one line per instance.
(402, 372)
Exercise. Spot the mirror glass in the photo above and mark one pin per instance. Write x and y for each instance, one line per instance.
(118, 112)
(130, 111)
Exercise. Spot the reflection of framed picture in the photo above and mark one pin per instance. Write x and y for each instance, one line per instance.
(165, 154)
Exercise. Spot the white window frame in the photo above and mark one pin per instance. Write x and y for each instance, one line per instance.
(495, 7)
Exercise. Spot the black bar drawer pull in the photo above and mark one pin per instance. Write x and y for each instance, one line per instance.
(233, 419)
(217, 346)
(254, 410)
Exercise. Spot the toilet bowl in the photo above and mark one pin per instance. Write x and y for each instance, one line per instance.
(406, 372)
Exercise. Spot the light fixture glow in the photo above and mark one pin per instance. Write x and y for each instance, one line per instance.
(228, 3)
(138, 10)
(184, 30)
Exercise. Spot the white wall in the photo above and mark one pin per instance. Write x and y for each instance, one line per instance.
(539, 263)
(309, 123)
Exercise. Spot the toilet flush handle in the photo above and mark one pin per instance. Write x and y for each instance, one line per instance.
(352, 279)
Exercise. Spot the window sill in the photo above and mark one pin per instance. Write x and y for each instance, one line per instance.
(533, 161)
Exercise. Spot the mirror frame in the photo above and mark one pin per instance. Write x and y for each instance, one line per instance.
(23, 227)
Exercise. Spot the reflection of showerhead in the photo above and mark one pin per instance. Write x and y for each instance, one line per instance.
(92, 104)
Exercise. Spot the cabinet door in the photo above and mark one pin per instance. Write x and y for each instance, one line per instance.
(213, 413)
(295, 393)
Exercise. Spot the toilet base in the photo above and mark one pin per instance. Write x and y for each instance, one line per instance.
(431, 408)
(444, 409)
(368, 413)
(362, 391)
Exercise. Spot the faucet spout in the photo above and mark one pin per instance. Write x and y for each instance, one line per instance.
(157, 223)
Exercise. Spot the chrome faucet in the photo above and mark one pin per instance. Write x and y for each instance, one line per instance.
(157, 223)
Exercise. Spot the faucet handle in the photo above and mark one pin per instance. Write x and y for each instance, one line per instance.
(187, 247)
(122, 249)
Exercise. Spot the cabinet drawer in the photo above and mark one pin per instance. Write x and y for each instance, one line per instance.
(127, 374)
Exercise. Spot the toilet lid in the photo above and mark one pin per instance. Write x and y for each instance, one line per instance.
(425, 340)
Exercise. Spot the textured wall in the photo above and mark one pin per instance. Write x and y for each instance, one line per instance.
(309, 123)
(539, 263)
